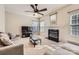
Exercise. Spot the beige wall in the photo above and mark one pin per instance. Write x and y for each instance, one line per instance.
(47, 24)
(63, 22)
(15, 21)
(2, 18)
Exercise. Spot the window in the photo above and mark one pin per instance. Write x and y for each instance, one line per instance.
(53, 18)
(42, 24)
(74, 24)
(35, 26)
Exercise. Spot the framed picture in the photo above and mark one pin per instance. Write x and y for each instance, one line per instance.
(53, 19)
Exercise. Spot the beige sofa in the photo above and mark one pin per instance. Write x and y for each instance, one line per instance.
(16, 49)
(8, 47)
(68, 48)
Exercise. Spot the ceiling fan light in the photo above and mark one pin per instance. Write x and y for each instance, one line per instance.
(35, 14)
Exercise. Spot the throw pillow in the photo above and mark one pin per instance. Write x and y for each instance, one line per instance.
(5, 39)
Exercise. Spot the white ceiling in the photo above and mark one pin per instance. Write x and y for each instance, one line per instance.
(21, 8)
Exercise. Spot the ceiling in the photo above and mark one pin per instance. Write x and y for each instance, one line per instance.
(21, 8)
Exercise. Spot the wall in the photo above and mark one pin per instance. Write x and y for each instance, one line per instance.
(2, 18)
(15, 21)
(63, 22)
(46, 25)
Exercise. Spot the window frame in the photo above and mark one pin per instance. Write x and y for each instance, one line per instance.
(53, 22)
(76, 31)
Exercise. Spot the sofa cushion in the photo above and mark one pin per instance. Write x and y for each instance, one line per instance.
(71, 47)
(5, 39)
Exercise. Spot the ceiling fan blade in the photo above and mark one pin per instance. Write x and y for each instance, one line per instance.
(36, 6)
(28, 11)
(32, 6)
(40, 13)
(45, 9)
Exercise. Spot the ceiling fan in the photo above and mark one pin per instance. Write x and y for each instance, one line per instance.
(36, 10)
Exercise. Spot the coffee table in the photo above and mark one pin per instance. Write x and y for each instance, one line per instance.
(35, 40)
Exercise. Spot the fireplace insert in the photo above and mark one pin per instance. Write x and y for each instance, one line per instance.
(53, 34)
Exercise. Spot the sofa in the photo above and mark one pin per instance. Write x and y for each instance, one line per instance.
(16, 49)
(8, 47)
(67, 48)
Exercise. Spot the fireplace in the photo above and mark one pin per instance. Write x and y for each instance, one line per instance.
(53, 34)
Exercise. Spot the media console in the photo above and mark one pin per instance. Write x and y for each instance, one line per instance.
(26, 31)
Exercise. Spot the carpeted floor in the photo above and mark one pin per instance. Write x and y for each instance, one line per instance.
(29, 49)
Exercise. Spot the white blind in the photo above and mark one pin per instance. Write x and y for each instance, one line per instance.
(74, 23)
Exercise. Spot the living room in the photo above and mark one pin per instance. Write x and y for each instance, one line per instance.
(52, 31)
